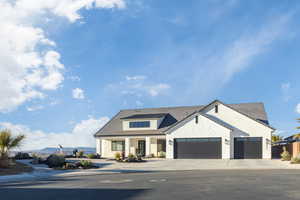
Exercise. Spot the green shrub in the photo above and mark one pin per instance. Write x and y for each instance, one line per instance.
(131, 156)
(285, 155)
(22, 156)
(92, 156)
(86, 164)
(117, 156)
(80, 154)
(161, 154)
(55, 160)
(296, 160)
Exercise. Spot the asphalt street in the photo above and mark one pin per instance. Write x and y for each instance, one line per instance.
(183, 185)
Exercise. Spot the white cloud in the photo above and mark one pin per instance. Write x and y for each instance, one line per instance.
(138, 77)
(54, 102)
(29, 65)
(157, 89)
(74, 78)
(221, 65)
(34, 108)
(298, 108)
(138, 86)
(139, 103)
(285, 86)
(286, 91)
(81, 135)
(78, 93)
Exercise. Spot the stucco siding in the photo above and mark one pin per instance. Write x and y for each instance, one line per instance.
(203, 129)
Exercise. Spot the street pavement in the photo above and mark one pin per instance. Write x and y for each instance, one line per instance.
(168, 185)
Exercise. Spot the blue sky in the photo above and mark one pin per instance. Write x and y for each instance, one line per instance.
(76, 66)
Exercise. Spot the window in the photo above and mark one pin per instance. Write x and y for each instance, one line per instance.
(142, 124)
(196, 119)
(216, 108)
(117, 145)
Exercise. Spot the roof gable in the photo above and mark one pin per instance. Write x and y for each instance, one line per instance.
(254, 112)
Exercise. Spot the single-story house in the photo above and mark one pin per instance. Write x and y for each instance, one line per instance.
(213, 131)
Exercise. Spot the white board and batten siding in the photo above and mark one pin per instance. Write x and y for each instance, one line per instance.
(205, 128)
(243, 127)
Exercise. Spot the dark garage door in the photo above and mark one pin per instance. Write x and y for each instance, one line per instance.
(206, 148)
(248, 148)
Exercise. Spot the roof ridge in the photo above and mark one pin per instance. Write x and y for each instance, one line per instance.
(174, 107)
(167, 107)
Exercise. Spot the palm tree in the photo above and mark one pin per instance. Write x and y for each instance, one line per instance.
(297, 135)
(8, 142)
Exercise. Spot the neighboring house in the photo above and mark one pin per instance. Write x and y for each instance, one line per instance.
(217, 130)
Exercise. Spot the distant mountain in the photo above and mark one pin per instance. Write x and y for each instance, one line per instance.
(66, 150)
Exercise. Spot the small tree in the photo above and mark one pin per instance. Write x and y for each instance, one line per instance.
(297, 135)
(8, 142)
(276, 138)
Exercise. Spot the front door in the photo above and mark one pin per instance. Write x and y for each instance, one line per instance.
(141, 147)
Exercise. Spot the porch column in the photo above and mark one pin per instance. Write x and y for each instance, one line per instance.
(127, 146)
(148, 146)
(98, 146)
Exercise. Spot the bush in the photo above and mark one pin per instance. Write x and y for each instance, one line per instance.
(161, 154)
(93, 156)
(296, 160)
(86, 164)
(55, 160)
(285, 155)
(80, 154)
(118, 156)
(70, 166)
(131, 158)
(139, 157)
(22, 156)
(37, 160)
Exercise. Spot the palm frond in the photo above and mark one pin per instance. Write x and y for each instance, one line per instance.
(16, 141)
(8, 142)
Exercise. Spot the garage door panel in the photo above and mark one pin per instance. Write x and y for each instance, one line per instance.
(248, 148)
(206, 148)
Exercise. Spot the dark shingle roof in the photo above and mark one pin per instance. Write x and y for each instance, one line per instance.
(173, 115)
(146, 116)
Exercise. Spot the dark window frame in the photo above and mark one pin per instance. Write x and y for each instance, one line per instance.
(216, 108)
(115, 145)
(139, 124)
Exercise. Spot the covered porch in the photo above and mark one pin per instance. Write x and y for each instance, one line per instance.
(147, 146)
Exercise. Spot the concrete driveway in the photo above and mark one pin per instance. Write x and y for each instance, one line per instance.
(194, 164)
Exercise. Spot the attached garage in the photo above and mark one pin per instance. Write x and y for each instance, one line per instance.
(248, 148)
(198, 148)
